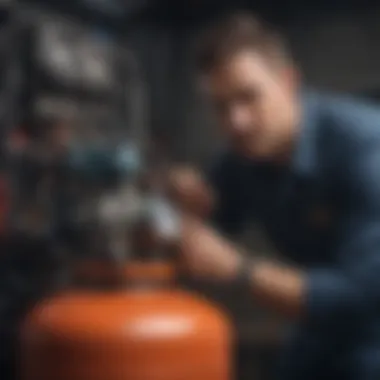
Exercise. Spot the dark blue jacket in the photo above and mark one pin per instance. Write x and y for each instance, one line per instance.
(323, 213)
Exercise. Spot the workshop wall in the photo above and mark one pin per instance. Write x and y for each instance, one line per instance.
(341, 52)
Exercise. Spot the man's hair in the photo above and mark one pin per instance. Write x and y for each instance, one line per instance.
(237, 32)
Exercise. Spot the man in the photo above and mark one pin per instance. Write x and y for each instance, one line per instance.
(307, 167)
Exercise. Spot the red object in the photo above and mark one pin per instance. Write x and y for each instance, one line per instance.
(136, 334)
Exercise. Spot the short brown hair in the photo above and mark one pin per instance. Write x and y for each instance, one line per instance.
(238, 32)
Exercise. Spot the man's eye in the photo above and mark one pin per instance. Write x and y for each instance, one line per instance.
(247, 96)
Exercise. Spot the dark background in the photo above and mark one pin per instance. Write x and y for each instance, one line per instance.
(336, 44)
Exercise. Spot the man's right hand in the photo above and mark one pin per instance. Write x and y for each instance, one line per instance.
(190, 191)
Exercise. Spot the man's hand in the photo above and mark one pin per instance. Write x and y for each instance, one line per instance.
(188, 189)
(206, 254)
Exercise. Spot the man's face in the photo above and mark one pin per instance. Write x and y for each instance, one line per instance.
(255, 104)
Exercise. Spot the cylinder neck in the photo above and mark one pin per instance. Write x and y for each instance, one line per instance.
(132, 274)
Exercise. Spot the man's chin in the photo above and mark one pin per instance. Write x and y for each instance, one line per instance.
(253, 154)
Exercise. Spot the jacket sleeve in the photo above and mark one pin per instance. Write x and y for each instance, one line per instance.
(351, 290)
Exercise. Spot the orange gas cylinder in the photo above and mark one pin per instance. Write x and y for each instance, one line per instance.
(138, 333)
